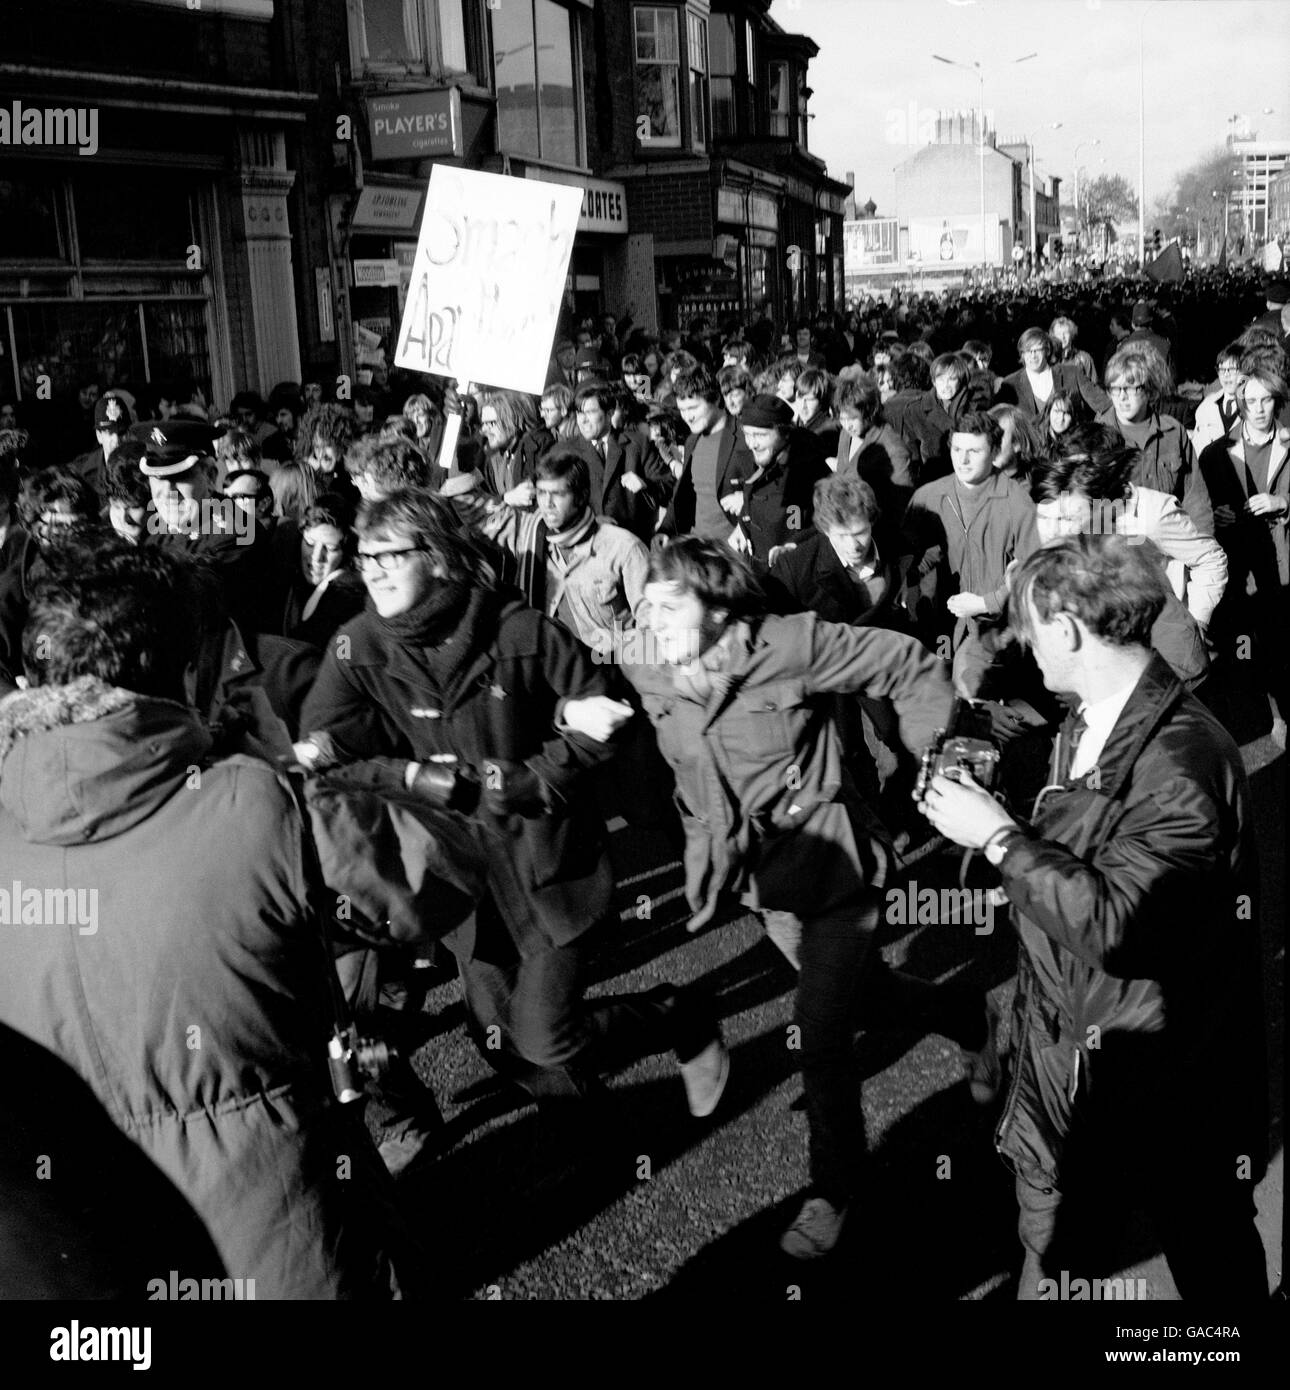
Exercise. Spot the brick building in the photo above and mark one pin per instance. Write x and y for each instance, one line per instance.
(704, 110)
(162, 245)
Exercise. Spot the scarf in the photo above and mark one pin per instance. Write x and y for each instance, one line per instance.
(427, 623)
(572, 535)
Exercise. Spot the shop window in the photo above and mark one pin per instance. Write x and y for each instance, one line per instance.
(29, 221)
(658, 73)
(697, 55)
(536, 71)
(119, 216)
(421, 36)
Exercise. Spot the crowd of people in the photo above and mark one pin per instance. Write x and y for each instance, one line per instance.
(304, 650)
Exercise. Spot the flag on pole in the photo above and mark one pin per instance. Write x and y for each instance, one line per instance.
(1168, 265)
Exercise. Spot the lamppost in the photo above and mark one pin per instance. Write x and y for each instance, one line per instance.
(1034, 228)
(1078, 148)
(980, 73)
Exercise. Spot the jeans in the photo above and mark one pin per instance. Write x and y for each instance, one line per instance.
(844, 985)
(532, 1025)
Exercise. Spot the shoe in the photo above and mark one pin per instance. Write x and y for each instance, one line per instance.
(984, 1069)
(816, 1230)
(401, 1153)
(705, 1078)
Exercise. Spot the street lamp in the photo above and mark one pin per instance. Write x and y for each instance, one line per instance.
(976, 67)
(1034, 228)
(1078, 148)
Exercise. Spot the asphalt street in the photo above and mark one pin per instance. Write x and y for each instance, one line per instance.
(646, 1202)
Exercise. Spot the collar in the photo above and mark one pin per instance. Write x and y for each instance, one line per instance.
(1102, 714)
(576, 534)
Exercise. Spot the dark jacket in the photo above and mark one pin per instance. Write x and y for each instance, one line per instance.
(779, 503)
(342, 599)
(883, 462)
(734, 467)
(1258, 547)
(811, 577)
(18, 554)
(508, 468)
(202, 1028)
(1067, 376)
(1135, 899)
(1167, 463)
(636, 512)
(377, 697)
(248, 574)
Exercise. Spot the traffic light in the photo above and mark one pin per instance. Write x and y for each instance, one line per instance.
(1155, 242)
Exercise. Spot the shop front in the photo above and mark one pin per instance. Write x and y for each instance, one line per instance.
(597, 266)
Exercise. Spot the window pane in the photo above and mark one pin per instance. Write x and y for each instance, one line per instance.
(722, 36)
(71, 342)
(28, 219)
(660, 98)
(557, 89)
(723, 107)
(698, 110)
(669, 44)
(698, 44)
(122, 215)
(513, 70)
(391, 31)
(452, 36)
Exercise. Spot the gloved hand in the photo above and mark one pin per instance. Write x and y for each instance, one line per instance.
(511, 789)
(446, 784)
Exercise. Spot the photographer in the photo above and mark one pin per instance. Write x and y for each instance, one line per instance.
(1138, 1018)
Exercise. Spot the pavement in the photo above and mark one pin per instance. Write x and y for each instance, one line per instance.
(643, 1201)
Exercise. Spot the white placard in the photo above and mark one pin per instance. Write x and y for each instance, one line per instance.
(488, 278)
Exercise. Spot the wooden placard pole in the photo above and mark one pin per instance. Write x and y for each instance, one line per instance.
(452, 431)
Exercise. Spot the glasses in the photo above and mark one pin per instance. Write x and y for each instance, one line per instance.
(1125, 390)
(489, 424)
(386, 560)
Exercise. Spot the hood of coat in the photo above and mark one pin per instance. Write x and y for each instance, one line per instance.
(87, 761)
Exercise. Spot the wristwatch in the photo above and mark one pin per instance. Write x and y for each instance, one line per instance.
(1000, 843)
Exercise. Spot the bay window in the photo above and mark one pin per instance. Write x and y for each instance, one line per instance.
(412, 36)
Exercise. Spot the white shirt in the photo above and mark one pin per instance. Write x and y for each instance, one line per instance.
(1100, 718)
(1041, 384)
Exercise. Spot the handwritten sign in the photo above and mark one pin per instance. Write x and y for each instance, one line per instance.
(488, 278)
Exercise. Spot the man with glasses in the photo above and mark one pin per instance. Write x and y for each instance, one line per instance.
(1219, 413)
(514, 437)
(476, 696)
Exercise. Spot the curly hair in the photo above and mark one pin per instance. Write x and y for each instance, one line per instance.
(124, 614)
(322, 426)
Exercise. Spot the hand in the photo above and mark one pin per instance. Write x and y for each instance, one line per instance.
(963, 811)
(777, 550)
(738, 542)
(1265, 504)
(733, 502)
(633, 482)
(1224, 516)
(522, 495)
(966, 605)
(596, 716)
(511, 789)
(677, 466)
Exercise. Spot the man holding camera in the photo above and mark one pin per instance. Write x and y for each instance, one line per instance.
(1138, 1023)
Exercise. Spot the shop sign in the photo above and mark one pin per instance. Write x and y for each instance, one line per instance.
(415, 125)
(383, 208)
(380, 274)
(604, 204)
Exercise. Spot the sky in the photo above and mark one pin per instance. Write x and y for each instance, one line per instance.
(1205, 60)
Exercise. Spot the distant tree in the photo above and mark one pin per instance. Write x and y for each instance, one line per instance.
(1110, 198)
(1201, 199)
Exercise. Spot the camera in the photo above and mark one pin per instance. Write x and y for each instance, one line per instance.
(951, 755)
(350, 1059)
